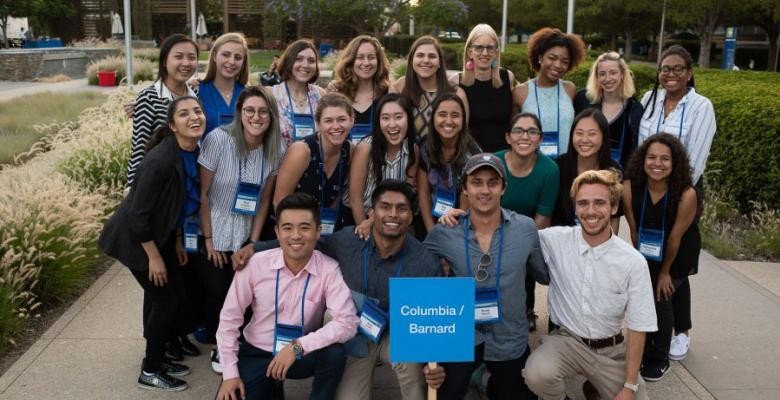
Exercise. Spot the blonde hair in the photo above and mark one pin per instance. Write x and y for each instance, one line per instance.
(232, 37)
(608, 177)
(593, 88)
(347, 81)
(468, 76)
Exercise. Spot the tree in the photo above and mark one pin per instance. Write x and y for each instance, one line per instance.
(13, 8)
(703, 16)
(43, 10)
(440, 13)
(766, 15)
(629, 18)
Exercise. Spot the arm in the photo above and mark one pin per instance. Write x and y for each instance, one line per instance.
(542, 221)
(512, 82)
(217, 257)
(265, 205)
(158, 274)
(519, 94)
(570, 89)
(536, 265)
(358, 172)
(341, 308)
(142, 131)
(686, 212)
(411, 178)
(424, 199)
(290, 172)
(635, 345)
(629, 211)
(462, 94)
(547, 197)
(397, 86)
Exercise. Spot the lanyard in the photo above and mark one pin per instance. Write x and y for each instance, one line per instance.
(682, 121)
(558, 105)
(322, 176)
(276, 298)
(262, 167)
(190, 181)
(642, 213)
(398, 269)
(292, 105)
(500, 249)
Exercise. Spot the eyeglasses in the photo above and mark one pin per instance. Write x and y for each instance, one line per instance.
(250, 112)
(482, 273)
(677, 69)
(481, 49)
(531, 132)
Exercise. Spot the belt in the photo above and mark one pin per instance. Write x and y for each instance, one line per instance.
(602, 343)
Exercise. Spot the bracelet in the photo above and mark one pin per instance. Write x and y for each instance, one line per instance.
(631, 386)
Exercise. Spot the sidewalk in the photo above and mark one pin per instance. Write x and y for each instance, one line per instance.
(11, 90)
(94, 350)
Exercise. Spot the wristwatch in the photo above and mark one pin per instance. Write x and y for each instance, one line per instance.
(298, 350)
(631, 386)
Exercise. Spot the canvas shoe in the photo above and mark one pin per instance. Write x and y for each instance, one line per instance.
(175, 369)
(679, 348)
(161, 381)
(215, 365)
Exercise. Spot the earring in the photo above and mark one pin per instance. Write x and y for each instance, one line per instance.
(469, 65)
(494, 63)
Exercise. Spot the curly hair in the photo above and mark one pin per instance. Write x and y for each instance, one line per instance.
(546, 38)
(346, 80)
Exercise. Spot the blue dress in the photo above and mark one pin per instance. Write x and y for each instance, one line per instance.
(218, 112)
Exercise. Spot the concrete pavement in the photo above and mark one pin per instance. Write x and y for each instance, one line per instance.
(11, 90)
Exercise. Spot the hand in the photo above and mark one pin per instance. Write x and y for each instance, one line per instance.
(625, 394)
(665, 288)
(363, 230)
(181, 253)
(194, 83)
(332, 86)
(227, 390)
(434, 377)
(242, 256)
(281, 363)
(217, 257)
(450, 218)
(129, 109)
(158, 274)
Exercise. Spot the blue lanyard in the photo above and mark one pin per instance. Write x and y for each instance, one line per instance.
(500, 249)
(642, 213)
(262, 167)
(276, 298)
(682, 121)
(398, 269)
(558, 106)
(292, 105)
(322, 177)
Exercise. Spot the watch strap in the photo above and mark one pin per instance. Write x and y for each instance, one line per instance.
(634, 387)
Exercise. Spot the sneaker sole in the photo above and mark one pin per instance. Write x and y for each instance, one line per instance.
(214, 370)
(659, 378)
(178, 374)
(678, 358)
(159, 389)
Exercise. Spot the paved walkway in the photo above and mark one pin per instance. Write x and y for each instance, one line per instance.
(11, 90)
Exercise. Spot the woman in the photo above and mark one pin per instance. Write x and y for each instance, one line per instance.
(238, 163)
(551, 54)
(389, 153)
(226, 76)
(610, 88)
(426, 77)
(319, 164)
(443, 154)
(488, 88)
(147, 234)
(362, 74)
(588, 150)
(178, 62)
(661, 209)
(297, 96)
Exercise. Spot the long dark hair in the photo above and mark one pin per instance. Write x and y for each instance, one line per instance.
(285, 64)
(604, 155)
(378, 141)
(680, 178)
(433, 142)
(675, 50)
(412, 89)
(165, 130)
(165, 49)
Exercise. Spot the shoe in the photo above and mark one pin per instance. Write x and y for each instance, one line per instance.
(200, 335)
(679, 348)
(654, 374)
(187, 347)
(161, 381)
(174, 369)
(532, 317)
(173, 351)
(215, 365)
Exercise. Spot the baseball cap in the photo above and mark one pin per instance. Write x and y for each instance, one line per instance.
(484, 160)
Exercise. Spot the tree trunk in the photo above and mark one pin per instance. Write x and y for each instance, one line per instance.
(707, 24)
(142, 19)
(613, 42)
(772, 54)
(629, 47)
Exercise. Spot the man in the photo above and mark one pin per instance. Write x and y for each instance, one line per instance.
(289, 290)
(596, 281)
(367, 267)
(497, 247)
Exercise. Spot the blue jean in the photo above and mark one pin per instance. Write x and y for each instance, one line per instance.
(326, 365)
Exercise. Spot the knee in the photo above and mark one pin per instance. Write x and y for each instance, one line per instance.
(333, 355)
(540, 373)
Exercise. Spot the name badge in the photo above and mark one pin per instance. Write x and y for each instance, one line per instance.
(285, 334)
(303, 125)
(615, 153)
(247, 197)
(549, 145)
(328, 216)
(225, 119)
(486, 310)
(443, 201)
(359, 131)
(373, 321)
(651, 243)
(191, 230)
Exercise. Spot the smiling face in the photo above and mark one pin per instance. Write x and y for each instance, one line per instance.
(393, 123)
(448, 120)
(298, 234)
(609, 75)
(593, 209)
(484, 188)
(554, 63)
(392, 215)
(255, 116)
(182, 62)
(334, 125)
(365, 61)
(484, 53)
(426, 61)
(658, 162)
(188, 120)
(229, 60)
(587, 138)
(674, 82)
(304, 66)
(524, 137)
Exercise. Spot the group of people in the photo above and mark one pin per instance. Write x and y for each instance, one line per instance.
(274, 217)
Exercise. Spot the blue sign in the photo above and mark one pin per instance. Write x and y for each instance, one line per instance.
(431, 319)
(729, 48)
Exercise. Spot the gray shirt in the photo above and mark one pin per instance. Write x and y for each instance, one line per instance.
(521, 254)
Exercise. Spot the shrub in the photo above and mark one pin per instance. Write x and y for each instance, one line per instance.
(143, 70)
(146, 53)
(397, 45)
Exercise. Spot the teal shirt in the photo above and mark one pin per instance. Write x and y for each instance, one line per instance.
(535, 193)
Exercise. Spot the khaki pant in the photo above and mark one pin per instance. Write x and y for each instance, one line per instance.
(562, 355)
(358, 376)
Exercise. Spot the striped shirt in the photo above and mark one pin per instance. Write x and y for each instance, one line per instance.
(151, 108)
(697, 130)
(229, 230)
(393, 169)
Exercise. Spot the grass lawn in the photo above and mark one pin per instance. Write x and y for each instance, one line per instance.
(259, 60)
(18, 116)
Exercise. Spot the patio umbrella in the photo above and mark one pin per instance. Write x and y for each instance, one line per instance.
(116, 24)
(201, 29)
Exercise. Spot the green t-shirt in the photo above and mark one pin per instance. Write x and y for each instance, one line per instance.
(535, 193)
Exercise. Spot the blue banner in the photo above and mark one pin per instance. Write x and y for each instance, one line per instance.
(729, 47)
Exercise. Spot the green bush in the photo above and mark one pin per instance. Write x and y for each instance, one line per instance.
(397, 45)
(143, 70)
(148, 53)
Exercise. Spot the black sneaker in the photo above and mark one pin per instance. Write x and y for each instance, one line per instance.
(188, 348)
(654, 374)
(173, 350)
(161, 382)
(175, 369)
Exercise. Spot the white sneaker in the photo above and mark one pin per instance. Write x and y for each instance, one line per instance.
(679, 347)
(215, 365)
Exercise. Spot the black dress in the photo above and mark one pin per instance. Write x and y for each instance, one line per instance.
(623, 129)
(490, 110)
(327, 190)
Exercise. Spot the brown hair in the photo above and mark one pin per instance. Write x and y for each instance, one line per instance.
(347, 82)
(412, 89)
(285, 64)
(336, 100)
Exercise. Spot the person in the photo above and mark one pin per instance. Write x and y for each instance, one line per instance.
(678, 109)
(588, 150)
(479, 247)
(145, 234)
(270, 77)
(367, 266)
(551, 54)
(226, 76)
(297, 95)
(178, 61)
(488, 88)
(289, 290)
(319, 164)
(662, 212)
(442, 157)
(238, 164)
(532, 185)
(610, 88)
(362, 74)
(426, 77)
(390, 153)
(597, 281)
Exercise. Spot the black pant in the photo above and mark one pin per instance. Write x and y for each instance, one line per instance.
(681, 304)
(506, 378)
(214, 284)
(530, 293)
(657, 343)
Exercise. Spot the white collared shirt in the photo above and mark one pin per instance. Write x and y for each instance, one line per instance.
(592, 289)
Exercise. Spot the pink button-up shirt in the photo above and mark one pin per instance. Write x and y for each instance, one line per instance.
(256, 285)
